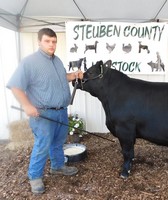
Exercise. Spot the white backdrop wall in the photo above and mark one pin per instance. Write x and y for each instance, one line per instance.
(86, 106)
(8, 61)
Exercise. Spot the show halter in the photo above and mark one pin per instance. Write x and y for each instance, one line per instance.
(98, 76)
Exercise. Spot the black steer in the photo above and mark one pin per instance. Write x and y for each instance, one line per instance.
(133, 108)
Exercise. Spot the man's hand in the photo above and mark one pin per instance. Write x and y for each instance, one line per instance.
(79, 74)
(72, 76)
(31, 111)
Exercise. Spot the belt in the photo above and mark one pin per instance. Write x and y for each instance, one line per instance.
(52, 108)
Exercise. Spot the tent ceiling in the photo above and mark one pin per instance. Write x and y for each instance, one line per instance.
(30, 15)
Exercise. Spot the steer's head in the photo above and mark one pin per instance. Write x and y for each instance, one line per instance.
(91, 78)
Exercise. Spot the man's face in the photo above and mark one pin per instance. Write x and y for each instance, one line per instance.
(48, 44)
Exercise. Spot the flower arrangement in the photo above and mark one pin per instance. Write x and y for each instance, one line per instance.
(75, 123)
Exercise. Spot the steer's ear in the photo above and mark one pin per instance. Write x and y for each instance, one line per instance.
(100, 63)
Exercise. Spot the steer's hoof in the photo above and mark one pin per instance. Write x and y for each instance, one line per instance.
(124, 174)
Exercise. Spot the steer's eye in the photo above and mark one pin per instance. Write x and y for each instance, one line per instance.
(89, 72)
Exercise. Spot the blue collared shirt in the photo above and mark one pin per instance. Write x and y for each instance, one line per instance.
(44, 80)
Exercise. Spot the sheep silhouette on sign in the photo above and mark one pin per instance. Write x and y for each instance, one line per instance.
(110, 48)
(91, 47)
(74, 49)
(78, 64)
(144, 47)
(127, 48)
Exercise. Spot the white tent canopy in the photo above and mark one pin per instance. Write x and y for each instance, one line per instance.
(30, 15)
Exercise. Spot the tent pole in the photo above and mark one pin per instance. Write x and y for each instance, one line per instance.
(160, 9)
(79, 9)
(18, 48)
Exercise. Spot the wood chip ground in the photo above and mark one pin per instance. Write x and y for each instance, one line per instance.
(98, 177)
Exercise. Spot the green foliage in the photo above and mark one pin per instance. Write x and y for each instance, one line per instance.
(75, 124)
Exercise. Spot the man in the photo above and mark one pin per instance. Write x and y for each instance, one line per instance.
(40, 84)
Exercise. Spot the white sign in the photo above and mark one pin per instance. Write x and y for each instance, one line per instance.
(127, 47)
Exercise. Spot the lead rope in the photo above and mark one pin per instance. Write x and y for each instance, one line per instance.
(74, 91)
(14, 107)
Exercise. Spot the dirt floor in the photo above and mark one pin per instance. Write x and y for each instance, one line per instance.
(98, 177)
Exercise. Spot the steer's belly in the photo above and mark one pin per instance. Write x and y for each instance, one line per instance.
(154, 133)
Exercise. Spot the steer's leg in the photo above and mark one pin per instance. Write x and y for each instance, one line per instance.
(126, 135)
(128, 155)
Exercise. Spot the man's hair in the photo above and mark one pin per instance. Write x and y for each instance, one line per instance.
(46, 31)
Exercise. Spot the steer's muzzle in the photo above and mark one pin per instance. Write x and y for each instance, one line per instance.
(73, 82)
(78, 83)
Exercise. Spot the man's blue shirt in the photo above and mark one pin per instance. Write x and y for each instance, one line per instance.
(43, 78)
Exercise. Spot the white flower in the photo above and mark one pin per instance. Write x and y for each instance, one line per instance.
(76, 125)
(71, 133)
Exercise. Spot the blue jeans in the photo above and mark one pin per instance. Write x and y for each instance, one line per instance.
(49, 138)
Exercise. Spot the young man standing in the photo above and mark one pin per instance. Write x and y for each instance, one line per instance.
(40, 84)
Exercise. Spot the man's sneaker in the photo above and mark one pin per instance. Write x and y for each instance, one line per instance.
(37, 186)
(65, 170)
